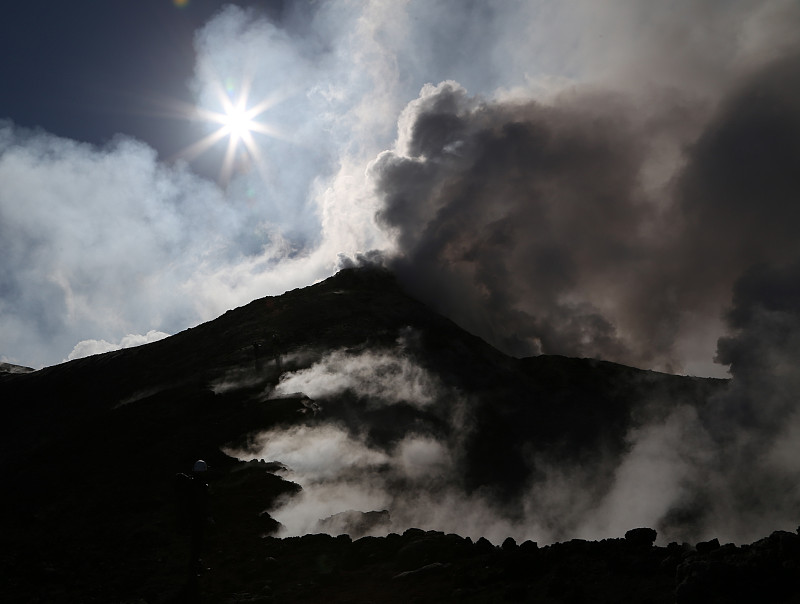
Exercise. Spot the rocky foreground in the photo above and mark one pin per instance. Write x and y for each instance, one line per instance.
(140, 556)
(430, 566)
(420, 566)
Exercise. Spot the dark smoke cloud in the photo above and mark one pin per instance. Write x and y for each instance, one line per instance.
(750, 480)
(592, 225)
(509, 214)
(764, 318)
(739, 191)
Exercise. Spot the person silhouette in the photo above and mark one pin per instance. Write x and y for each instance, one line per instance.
(195, 512)
(275, 345)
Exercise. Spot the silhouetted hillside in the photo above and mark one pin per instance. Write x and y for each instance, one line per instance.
(344, 386)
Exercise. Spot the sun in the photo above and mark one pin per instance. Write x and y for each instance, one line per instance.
(236, 121)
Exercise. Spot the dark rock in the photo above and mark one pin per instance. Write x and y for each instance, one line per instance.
(765, 571)
(416, 554)
(529, 547)
(434, 568)
(413, 533)
(316, 541)
(675, 548)
(371, 550)
(433, 547)
(484, 546)
(702, 580)
(705, 547)
(783, 543)
(11, 368)
(356, 524)
(722, 552)
(270, 563)
(509, 545)
(516, 592)
(641, 537)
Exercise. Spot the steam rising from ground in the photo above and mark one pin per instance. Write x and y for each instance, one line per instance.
(416, 480)
(383, 377)
(693, 469)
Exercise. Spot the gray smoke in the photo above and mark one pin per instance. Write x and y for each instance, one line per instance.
(586, 225)
(755, 424)
(506, 213)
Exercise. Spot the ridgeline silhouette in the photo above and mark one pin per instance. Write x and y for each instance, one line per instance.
(90, 449)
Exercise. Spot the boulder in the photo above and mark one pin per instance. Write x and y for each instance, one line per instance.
(704, 547)
(641, 537)
(484, 546)
(434, 568)
(356, 524)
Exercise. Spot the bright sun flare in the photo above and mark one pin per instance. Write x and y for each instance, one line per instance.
(237, 122)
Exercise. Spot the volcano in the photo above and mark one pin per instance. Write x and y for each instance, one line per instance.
(360, 448)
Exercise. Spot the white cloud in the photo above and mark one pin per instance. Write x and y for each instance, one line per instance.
(87, 348)
(383, 377)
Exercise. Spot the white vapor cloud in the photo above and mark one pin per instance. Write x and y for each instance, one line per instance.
(340, 472)
(317, 454)
(87, 348)
(383, 377)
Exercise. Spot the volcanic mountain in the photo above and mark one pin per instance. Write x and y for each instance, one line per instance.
(344, 407)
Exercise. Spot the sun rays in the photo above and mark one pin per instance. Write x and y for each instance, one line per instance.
(236, 120)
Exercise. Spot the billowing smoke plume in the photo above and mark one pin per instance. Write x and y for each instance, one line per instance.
(756, 423)
(519, 219)
(729, 466)
(590, 225)
(587, 225)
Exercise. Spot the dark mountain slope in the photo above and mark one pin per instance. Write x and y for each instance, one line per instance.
(90, 447)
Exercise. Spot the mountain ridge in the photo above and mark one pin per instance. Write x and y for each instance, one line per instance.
(91, 445)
